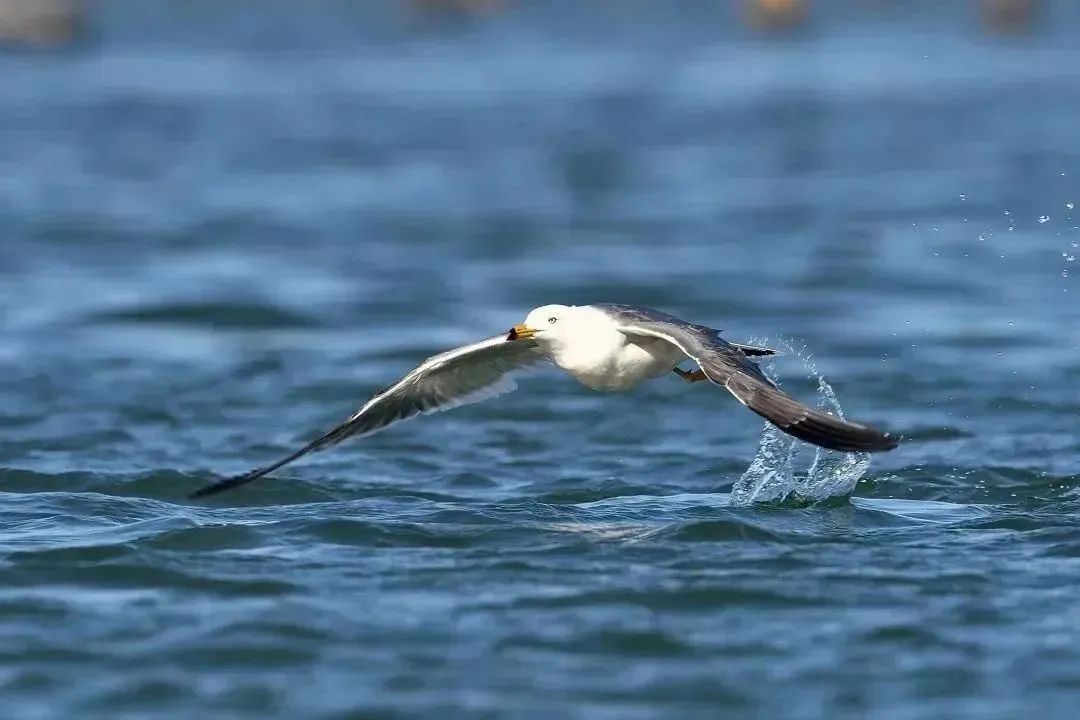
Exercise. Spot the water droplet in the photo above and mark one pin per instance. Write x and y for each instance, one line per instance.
(1043, 218)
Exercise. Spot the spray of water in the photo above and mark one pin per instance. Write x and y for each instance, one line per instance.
(775, 476)
(1070, 254)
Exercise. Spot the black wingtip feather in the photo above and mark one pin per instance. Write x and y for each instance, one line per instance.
(213, 489)
(252, 475)
(227, 484)
(812, 426)
(835, 434)
(758, 352)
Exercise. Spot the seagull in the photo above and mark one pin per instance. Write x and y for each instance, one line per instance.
(606, 347)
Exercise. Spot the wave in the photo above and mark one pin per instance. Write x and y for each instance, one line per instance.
(229, 315)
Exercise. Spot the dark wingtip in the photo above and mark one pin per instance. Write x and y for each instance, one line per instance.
(807, 424)
(885, 441)
(231, 482)
(890, 441)
(832, 433)
(212, 489)
(253, 475)
(755, 351)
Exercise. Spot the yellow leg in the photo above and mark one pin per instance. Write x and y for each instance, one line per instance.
(690, 376)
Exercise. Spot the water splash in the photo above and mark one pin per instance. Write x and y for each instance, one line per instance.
(1070, 257)
(774, 475)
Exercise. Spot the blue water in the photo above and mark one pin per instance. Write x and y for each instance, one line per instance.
(222, 230)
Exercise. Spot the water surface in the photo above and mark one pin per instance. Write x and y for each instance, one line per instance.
(221, 233)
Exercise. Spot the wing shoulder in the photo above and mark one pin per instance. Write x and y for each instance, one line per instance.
(718, 358)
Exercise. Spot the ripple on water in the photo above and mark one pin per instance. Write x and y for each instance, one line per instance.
(231, 314)
(924, 511)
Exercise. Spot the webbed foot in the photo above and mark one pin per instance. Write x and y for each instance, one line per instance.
(690, 376)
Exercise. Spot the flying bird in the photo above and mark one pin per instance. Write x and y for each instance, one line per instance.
(605, 347)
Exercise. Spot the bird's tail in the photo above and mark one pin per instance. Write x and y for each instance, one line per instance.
(754, 350)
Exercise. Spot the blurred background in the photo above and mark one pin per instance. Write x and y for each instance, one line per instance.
(224, 224)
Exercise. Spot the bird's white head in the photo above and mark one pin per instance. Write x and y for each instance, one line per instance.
(559, 327)
(546, 323)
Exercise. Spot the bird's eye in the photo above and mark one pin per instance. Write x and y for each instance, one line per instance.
(553, 320)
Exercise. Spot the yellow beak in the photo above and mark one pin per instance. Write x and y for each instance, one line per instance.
(520, 332)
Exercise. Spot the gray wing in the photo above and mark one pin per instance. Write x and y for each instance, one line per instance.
(464, 375)
(728, 366)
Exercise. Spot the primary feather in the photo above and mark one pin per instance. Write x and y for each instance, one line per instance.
(464, 375)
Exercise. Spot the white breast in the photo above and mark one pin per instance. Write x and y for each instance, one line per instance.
(602, 358)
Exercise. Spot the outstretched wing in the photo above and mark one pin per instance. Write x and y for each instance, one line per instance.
(728, 366)
(464, 375)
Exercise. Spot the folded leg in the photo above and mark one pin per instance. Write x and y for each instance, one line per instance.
(690, 376)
